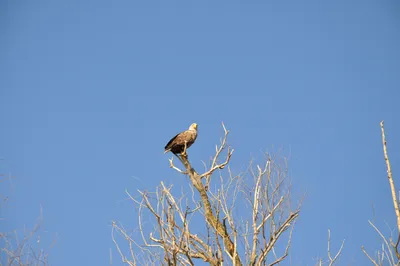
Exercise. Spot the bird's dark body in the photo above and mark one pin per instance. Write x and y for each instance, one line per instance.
(177, 148)
(177, 144)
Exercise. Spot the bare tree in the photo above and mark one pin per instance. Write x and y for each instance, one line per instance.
(17, 250)
(223, 217)
(390, 248)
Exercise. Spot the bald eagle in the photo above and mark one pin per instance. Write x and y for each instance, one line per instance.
(177, 144)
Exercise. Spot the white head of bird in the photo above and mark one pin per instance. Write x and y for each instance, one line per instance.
(193, 127)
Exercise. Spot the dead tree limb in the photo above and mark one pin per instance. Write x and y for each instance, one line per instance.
(390, 178)
(389, 248)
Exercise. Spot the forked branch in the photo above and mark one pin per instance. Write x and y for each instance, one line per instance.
(332, 260)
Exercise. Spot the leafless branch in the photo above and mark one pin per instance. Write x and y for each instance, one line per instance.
(171, 165)
(369, 257)
(387, 252)
(332, 260)
(389, 173)
(23, 252)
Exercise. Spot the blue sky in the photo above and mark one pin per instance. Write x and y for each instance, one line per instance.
(91, 91)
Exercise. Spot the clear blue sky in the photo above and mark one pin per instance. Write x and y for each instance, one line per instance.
(91, 91)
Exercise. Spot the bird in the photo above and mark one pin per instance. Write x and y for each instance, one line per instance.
(177, 144)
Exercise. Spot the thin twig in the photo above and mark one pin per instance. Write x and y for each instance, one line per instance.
(369, 257)
(332, 260)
